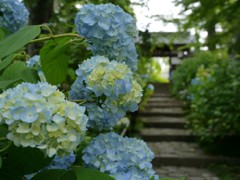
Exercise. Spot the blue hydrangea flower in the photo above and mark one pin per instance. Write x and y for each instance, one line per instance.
(104, 116)
(64, 162)
(121, 157)
(38, 115)
(13, 15)
(195, 81)
(150, 87)
(34, 62)
(109, 89)
(110, 31)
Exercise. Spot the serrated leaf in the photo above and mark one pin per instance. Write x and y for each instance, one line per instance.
(56, 174)
(90, 174)
(19, 39)
(53, 60)
(30, 75)
(27, 160)
(5, 62)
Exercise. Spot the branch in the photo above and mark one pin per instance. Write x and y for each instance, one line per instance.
(55, 37)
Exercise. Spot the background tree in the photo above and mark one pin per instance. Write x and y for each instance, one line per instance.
(208, 16)
(64, 11)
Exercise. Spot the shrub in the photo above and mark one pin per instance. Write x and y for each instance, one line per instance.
(215, 110)
(183, 75)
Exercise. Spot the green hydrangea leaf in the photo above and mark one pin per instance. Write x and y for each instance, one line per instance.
(27, 160)
(90, 174)
(12, 74)
(54, 62)
(29, 75)
(14, 71)
(4, 84)
(56, 174)
(19, 39)
(5, 62)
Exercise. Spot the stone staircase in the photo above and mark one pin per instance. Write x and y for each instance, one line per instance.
(176, 153)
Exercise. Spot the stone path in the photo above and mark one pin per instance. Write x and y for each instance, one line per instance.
(177, 155)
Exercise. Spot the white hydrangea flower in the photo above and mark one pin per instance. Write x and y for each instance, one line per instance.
(39, 116)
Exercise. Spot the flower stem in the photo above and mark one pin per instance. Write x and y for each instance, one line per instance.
(55, 37)
(7, 146)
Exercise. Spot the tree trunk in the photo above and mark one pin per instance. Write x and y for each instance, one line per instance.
(41, 11)
(211, 38)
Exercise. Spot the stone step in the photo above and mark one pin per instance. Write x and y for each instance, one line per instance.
(173, 111)
(184, 154)
(161, 95)
(166, 134)
(164, 122)
(164, 104)
(161, 87)
(162, 99)
(187, 173)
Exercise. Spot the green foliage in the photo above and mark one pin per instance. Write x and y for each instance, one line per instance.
(15, 72)
(184, 74)
(54, 61)
(3, 33)
(17, 40)
(26, 160)
(56, 174)
(210, 84)
(78, 173)
(5, 62)
(214, 106)
(22, 161)
(226, 171)
(90, 174)
(207, 15)
(29, 75)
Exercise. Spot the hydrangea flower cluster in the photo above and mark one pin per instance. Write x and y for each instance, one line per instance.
(39, 116)
(120, 157)
(111, 32)
(34, 62)
(13, 15)
(109, 89)
(150, 87)
(64, 162)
